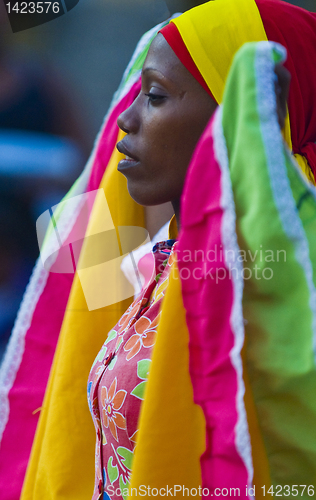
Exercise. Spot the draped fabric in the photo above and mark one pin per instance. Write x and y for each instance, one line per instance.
(295, 29)
(213, 426)
(241, 378)
(45, 308)
(59, 451)
(212, 34)
(245, 276)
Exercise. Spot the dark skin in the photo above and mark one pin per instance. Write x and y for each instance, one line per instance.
(164, 124)
(282, 88)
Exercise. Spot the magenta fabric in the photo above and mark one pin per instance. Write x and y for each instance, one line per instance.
(29, 387)
(208, 308)
(41, 339)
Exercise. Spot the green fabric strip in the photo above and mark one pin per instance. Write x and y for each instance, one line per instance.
(278, 301)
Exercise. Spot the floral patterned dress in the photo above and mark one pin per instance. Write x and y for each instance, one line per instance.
(117, 381)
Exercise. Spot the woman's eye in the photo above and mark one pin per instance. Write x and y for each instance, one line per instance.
(155, 98)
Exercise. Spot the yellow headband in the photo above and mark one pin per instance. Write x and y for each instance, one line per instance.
(213, 32)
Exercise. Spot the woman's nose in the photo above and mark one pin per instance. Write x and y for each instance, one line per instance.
(128, 120)
(121, 122)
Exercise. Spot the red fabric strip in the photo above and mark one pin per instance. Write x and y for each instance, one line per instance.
(295, 29)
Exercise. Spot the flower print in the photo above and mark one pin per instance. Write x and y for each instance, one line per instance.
(162, 285)
(133, 438)
(127, 319)
(98, 372)
(100, 356)
(111, 402)
(103, 438)
(160, 290)
(105, 496)
(89, 394)
(95, 413)
(98, 470)
(113, 471)
(124, 486)
(144, 336)
(173, 256)
(143, 367)
(111, 335)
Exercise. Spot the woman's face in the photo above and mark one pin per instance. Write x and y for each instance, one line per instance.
(163, 126)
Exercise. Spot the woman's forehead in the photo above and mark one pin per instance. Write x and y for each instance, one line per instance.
(162, 59)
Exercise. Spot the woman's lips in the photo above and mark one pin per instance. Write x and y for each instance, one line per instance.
(130, 160)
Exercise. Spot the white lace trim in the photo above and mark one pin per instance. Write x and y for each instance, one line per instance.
(229, 238)
(15, 348)
(274, 150)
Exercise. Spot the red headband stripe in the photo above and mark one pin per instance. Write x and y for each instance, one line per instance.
(174, 39)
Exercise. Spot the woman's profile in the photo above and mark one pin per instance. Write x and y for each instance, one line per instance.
(225, 366)
(163, 126)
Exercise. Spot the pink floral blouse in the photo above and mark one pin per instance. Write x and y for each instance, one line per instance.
(117, 382)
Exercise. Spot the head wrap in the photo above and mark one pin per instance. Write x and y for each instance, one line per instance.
(212, 44)
(295, 29)
(250, 338)
(173, 37)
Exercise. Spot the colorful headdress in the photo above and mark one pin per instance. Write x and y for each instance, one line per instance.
(233, 374)
(206, 39)
(174, 428)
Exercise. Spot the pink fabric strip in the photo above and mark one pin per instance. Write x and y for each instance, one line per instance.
(29, 387)
(208, 303)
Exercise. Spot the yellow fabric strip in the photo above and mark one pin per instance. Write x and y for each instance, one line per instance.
(171, 438)
(214, 32)
(173, 228)
(302, 161)
(63, 448)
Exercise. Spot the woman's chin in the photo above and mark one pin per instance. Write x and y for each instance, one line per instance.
(145, 197)
(142, 199)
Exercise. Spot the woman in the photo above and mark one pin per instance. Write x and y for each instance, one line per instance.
(162, 127)
(165, 446)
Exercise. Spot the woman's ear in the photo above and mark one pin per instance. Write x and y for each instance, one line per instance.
(282, 88)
